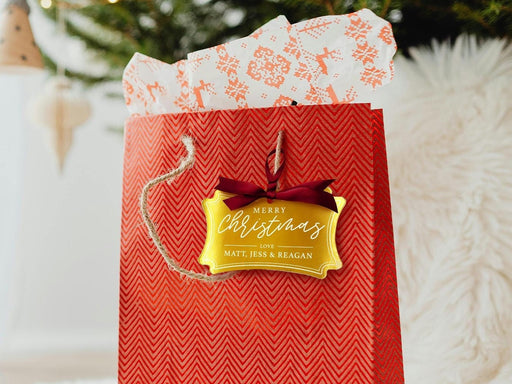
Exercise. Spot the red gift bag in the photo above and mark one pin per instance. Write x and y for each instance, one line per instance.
(258, 326)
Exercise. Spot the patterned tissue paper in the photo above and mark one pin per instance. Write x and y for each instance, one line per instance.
(326, 60)
(153, 87)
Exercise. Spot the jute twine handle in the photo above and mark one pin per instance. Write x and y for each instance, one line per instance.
(186, 163)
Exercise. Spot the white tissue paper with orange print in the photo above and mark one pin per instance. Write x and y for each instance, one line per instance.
(326, 60)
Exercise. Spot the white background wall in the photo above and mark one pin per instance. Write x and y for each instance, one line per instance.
(11, 157)
(59, 233)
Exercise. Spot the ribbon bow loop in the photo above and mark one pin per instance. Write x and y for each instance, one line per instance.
(312, 192)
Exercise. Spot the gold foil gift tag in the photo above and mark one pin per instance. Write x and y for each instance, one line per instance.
(290, 236)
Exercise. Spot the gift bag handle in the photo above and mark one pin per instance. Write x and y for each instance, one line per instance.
(185, 164)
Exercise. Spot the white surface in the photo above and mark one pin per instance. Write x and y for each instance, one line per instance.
(63, 244)
(102, 381)
(59, 233)
(11, 160)
(49, 368)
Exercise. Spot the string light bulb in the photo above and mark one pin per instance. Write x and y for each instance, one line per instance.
(46, 4)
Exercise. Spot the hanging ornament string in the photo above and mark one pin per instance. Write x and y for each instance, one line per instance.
(185, 164)
(61, 30)
(59, 106)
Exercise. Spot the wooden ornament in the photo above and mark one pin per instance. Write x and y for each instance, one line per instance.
(59, 109)
(18, 50)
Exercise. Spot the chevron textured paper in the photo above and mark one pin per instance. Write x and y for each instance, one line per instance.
(259, 327)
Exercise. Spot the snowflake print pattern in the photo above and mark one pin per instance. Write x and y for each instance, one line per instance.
(314, 96)
(357, 29)
(292, 47)
(283, 101)
(303, 72)
(236, 89)
(350, 96)
(268, 67)
(386, 35)
(365, 53)
(372, 76)
(227, 64)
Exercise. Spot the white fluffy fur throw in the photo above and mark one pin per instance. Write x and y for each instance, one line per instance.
(448, 117)
(448, 120)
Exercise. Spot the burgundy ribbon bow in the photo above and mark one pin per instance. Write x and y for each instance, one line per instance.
(312, 192)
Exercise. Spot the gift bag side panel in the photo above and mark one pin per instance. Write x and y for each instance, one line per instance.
(150, 150)
(388, 344)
